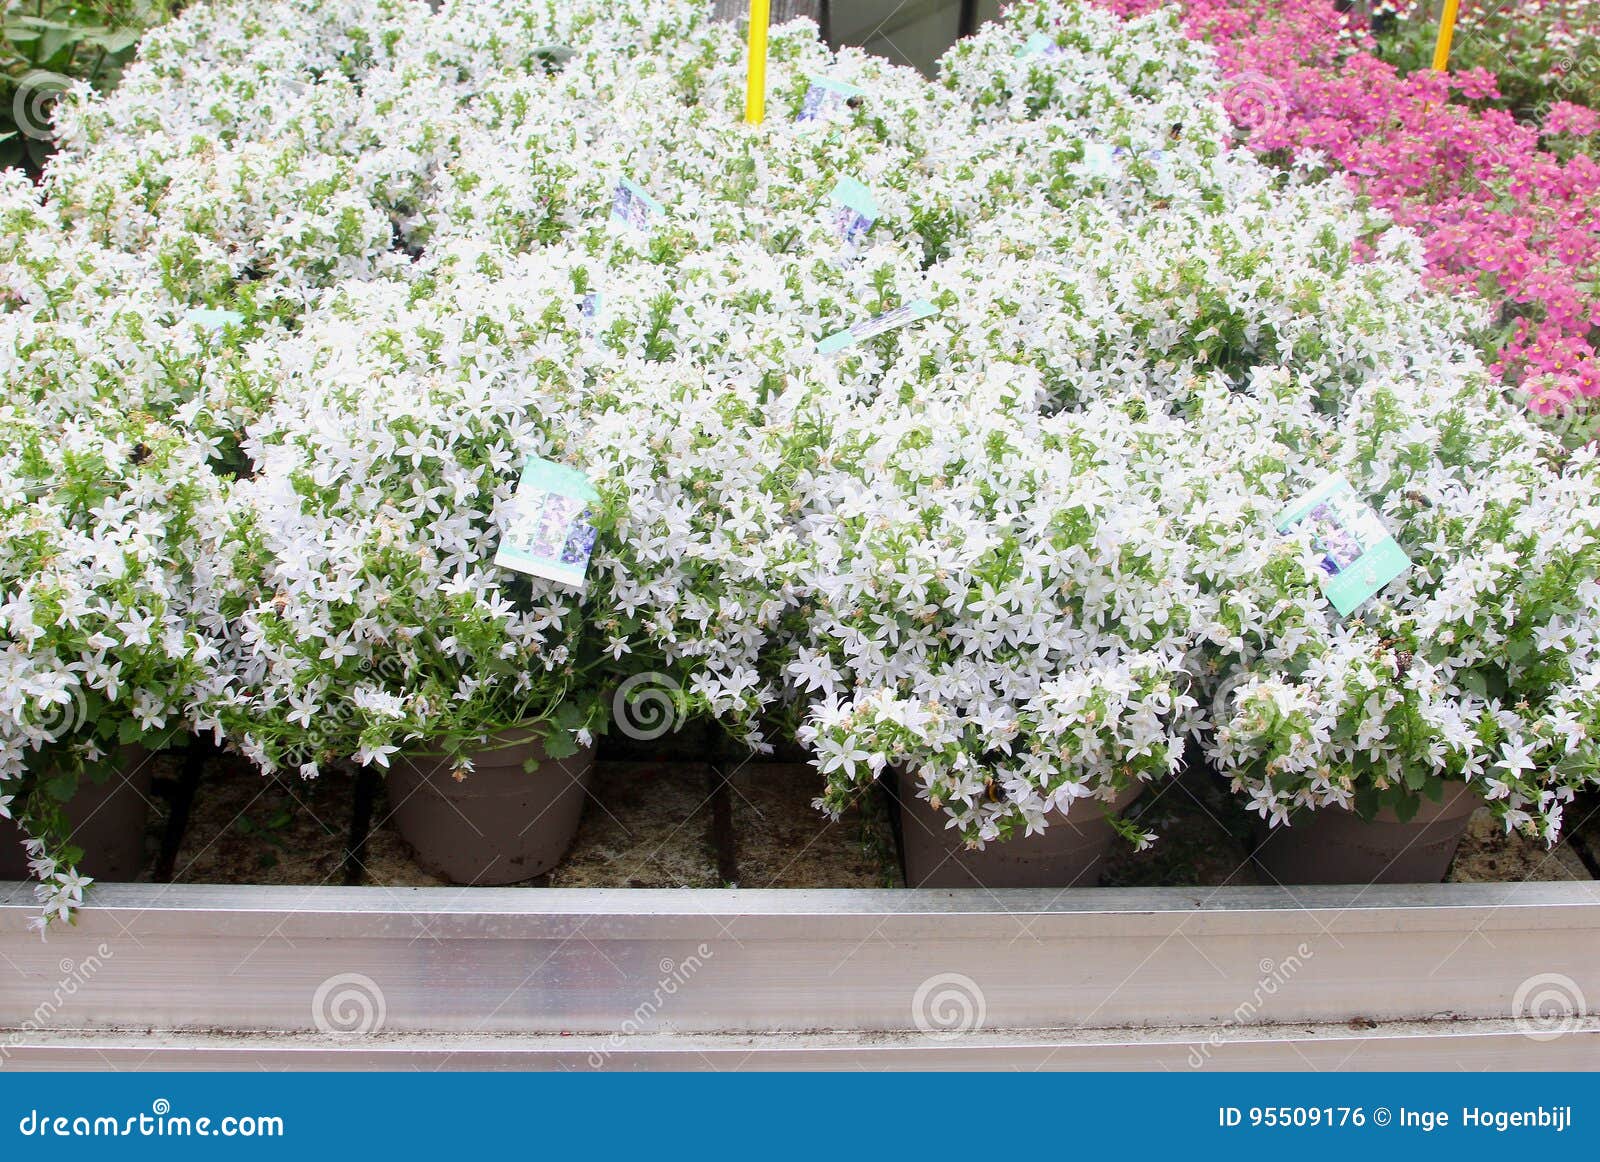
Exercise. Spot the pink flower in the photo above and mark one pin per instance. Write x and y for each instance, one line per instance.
(1498, 215)
(1565, 117)
(1476, 84)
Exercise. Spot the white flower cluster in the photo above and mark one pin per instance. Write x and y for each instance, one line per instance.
(293, 304)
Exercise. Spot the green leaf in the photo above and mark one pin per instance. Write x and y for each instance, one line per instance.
(53, 43)
(128, 730)
(40, 23)
(1367, 801)
(560, 745)
(117, 40)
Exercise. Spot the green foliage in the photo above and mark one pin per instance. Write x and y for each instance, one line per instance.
(1540, 53)
(46, 47)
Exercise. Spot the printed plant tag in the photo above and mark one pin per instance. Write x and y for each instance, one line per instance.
(549, 534)
(633, 208)
(826, 99)
(592, 310)
(554, 56)
(877, 325)
(1099, 160)
(213, 319)
(854, 212)
(1040, 43)
(1359, 557)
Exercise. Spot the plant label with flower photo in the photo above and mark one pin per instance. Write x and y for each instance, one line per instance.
(632, 208)
(1099, 160)
(1359, 557)
(1040, 44)
(592, 315)
(877, 325)
(853, 210)
(554, 57)
(212, 319)
(825, 99)
(549, 534)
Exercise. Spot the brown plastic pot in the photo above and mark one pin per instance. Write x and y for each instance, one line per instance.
(107, 822)
(1336, 846)
(499, 825)
(1066, 854)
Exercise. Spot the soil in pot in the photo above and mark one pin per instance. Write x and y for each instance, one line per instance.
(501, 824)
(107, 818)
(1068, 853)
(1337, 846)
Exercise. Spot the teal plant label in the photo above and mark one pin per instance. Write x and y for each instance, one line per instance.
(554, 56)
(1099, 160)
(825, 98)
(549, 534)
(633, 208)
(877, 325)
(1040, 44)
(592, 312)
(1359, 557)
(854, 210)
(212, 319)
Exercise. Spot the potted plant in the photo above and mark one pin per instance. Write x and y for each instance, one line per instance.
(997, 624)
(372, 623)
(103, 513)
(1365, 742)
(375, 616)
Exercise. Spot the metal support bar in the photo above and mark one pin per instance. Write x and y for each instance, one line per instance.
(1092, 977)
(1424, 1046)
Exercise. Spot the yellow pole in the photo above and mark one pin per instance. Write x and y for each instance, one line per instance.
(1447, 28)
(755, 90)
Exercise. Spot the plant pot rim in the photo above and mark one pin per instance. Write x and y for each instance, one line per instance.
(1119, 802)
(497, 740)
(1459, 797)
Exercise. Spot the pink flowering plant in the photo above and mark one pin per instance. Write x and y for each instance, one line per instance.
(1505, 209)
(1542, 51)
